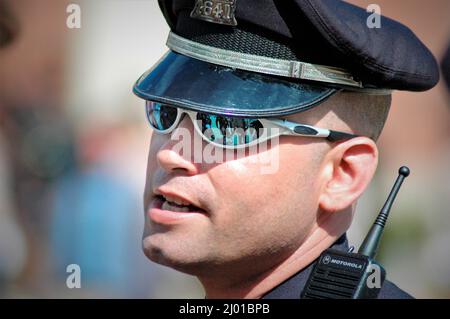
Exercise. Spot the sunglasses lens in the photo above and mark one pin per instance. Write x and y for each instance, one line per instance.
(229, 131)
(160, 116)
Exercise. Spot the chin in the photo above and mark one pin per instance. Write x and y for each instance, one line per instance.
(164, 253)
(156, 249)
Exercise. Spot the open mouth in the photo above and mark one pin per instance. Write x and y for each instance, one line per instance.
(177, 205)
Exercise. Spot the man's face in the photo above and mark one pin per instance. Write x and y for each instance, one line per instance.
(249, 219)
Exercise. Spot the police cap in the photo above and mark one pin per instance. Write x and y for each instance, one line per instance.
(265, 58)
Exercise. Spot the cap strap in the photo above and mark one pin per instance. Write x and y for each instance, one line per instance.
(261, 64)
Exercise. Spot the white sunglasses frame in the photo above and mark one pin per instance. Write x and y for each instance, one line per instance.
(281, 126)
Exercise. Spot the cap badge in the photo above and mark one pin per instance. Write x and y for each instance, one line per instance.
(215, 11)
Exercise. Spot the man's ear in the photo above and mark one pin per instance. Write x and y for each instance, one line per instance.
(346, 172)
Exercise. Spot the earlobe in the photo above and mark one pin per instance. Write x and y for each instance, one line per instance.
(348, 169)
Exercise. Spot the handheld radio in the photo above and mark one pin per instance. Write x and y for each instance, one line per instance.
(351, 275)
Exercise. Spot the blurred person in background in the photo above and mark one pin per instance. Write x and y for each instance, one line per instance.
(12, 243)
(8, 25)
(94, 224)
(63, 197)
(38, 142)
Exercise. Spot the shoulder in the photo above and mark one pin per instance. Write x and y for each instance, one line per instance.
(390, 291)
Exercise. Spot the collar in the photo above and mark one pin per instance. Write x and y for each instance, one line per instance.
(293, 287)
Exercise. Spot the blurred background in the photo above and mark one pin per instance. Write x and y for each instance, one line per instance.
(74, 141)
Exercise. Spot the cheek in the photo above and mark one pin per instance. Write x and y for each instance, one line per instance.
(285, 171)
(239, 184)
(250, 197)
(259, 213)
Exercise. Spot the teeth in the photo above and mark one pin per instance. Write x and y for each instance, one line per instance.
(176, 200)
(176, 204)
(168, 206)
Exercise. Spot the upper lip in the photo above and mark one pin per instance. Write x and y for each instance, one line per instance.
(177, 197)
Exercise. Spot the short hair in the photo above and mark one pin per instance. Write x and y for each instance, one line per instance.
(364, 114)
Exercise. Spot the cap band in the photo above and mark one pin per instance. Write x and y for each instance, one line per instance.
(261, 64)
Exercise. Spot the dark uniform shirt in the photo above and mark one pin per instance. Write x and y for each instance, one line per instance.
(293, 287)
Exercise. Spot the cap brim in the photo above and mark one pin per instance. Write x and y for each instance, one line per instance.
(193, 84)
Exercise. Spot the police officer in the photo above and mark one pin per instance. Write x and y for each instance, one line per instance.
(315, 79)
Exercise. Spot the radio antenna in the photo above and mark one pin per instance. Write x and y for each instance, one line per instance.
(370, 244)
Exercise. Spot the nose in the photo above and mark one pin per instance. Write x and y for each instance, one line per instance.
(176, 152)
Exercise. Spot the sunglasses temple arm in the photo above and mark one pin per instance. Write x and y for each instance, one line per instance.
(330, 135)
(335, 136)
(307, 130)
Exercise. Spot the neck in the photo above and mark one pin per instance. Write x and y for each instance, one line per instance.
(229, 286)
